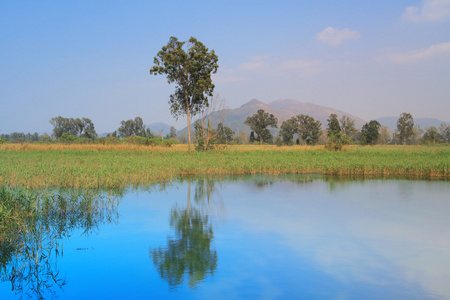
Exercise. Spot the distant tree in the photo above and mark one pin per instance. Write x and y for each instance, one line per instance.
(87, 129)
(278, 141)
(431, 135)
(191, 70)
(75, 127)
(309, 129)
(287, 130)
(405, 127)
(417, 135)
(209, 116)
(252, 137)
(132, 127)
(444, 133)
(266, 136)
(333, 125)
(63, 125)
(259, 123)
(348, 127)
(173, 132)
(242, 138)
(225, 134)
(385, 136)
(370, 132)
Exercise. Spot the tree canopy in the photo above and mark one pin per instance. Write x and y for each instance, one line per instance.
(405, 126)
(133, 127)
(370, 133)
(305, 126)
(189, 65)
(76, 127)
(259, 123)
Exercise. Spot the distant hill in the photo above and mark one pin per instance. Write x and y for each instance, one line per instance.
(283, 110)
(391, 122)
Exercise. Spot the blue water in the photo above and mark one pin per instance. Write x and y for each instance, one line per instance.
(263, 237)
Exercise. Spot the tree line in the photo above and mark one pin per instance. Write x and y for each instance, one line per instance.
(300, 129)
(341, 131)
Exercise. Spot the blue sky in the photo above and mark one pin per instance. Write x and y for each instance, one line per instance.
(92, 58)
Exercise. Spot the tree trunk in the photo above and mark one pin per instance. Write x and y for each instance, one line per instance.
(188, 114)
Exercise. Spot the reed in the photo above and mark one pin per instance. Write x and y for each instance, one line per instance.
(113, 166)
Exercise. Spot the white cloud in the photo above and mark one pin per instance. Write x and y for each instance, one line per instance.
(420, 55)
(335, 37)
(256, 63)
(430, 11)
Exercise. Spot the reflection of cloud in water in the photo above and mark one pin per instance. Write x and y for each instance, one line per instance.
(364, 232)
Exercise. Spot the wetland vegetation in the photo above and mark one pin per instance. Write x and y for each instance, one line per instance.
(113, 166)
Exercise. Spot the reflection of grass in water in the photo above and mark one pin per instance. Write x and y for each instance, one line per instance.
(33, 225)
(93, 166)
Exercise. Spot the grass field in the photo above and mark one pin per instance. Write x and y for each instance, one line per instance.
(111, 166)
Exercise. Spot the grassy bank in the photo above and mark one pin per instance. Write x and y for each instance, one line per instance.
(92, 166)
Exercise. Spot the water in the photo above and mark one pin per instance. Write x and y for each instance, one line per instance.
(258, 237)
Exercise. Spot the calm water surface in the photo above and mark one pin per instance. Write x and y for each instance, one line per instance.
(259, 237)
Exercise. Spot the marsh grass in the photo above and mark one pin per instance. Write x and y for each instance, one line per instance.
(115, 166)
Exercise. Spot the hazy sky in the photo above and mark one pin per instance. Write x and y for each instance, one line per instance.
(92, 58)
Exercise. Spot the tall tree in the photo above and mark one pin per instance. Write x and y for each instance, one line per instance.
(76, 127)
(287, 130)
(348, 127)
(132, 127)
(405, 126)
(444, 132)
(333, 125)
(259, 123)
(308, 129)
(191, 70)
(431, 135)
(173, 132)
(370, 132)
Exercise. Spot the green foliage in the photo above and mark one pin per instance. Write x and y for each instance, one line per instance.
(336, 141)
(72, 139)
(306, 127)
(205, 138)
(225, 134)
(405, 127)
(173, 132)
(278, 141)
(109, 140)
(191, 70)
(287, 130)
(309, 129)
(432, 136)
(370, 132)
(3, 141)
(348, 127)
(259, 123)
(83, 128)
(333, 126)
(133, 127)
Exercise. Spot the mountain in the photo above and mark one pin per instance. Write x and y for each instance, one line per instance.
(424, 123)
(283, 110)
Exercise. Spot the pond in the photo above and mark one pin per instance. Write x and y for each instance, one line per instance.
(248, 237)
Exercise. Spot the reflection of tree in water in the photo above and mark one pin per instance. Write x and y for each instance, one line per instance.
(191, 252)
(32, 226)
